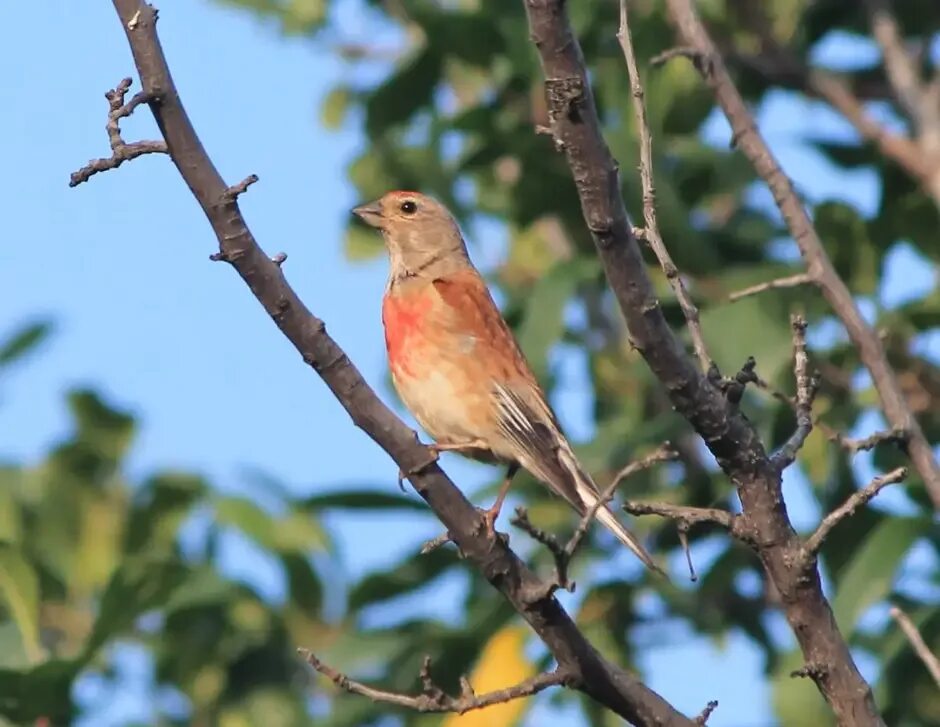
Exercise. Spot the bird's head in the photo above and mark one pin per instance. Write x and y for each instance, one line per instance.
(420, 233)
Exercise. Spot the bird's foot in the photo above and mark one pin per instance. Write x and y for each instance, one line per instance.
(489, 519)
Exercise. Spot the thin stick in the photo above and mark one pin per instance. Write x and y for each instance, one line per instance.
(651, 231)
(432, 697)
(806, 388)
(846, 509)
(920, 647)
(791, 281)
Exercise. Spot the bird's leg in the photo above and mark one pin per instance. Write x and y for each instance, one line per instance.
(438, 447)
(490, 515)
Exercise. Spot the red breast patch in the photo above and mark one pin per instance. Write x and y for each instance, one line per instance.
(403, 317)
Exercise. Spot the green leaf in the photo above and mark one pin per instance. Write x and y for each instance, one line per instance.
(416, 571)
(335, 106)
(723, 327)
(19, 591)
(868, 576)
(24, 341)
(845, 236)
(43, 692)
(404, 93)
(363, 500)
(295, 532)
(543, 323)
(141, 584)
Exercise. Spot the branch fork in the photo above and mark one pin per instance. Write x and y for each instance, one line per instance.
(434, 699)
(121, 151)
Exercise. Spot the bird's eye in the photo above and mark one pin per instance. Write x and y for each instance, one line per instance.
(408, 207)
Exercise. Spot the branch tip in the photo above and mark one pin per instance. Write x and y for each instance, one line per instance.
(923, 652)
(232, 193)
(848, 508)
(704, 715)
(434, 699)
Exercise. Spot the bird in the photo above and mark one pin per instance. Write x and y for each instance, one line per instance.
(457, 366)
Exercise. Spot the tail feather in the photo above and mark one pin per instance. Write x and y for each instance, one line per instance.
(589, 495)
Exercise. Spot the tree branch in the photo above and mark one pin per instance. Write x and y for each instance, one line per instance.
(563, 554)
(432, 697)
(575, 129)
(927, 657)
(619, 691)
(121, 151)
(856, 500)
(806, 388)
(790, 281)
(749, 140)
(651, 232)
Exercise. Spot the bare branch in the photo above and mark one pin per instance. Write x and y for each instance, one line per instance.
(853, 446)
(819, 266)
(232, 193)
(706, 713)
(923, 651)
(856, 500)
(663, 453)
(806, 388)
(686, 516)
(615, 688)
(432, 698)
(563, 554)
(791, 281)
(651, 231)
(727, 433)
(899, 64)
(121, 151)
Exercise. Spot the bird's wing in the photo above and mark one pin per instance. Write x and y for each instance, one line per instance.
(524, 418)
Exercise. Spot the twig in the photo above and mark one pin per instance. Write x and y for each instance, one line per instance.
(432, 698)
(791, 281)
(435, 543)
(819, 265)
(685, 517)
(901, 70)
(121, 151)
(704, 715)
(806, 388)
(651, 232)
(856, 500)
(663, 453)
(853, 446)
(920, 647)
(563, 554)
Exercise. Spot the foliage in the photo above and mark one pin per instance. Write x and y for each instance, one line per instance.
(91, 561)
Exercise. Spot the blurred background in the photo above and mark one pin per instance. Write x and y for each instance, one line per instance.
(183, 503)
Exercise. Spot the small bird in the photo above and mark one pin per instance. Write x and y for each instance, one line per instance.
(457, 366)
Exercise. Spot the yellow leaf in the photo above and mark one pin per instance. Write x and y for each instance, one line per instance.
(501, 665)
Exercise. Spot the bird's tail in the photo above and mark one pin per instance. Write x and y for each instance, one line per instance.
(588, 492)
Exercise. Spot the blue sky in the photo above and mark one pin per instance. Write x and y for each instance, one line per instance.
(121, 265)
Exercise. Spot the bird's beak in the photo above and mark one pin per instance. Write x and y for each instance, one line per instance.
(370, 213)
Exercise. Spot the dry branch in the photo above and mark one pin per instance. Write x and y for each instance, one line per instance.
(927, 657)
(432, 697)
(617, 690)
(806, 388)
(651, 232)
(732, 439)
(790, 281)
(847, 509)
(121, 151)
(693, 35)
(563, 554)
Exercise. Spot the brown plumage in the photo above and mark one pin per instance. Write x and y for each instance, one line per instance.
(456, 364)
